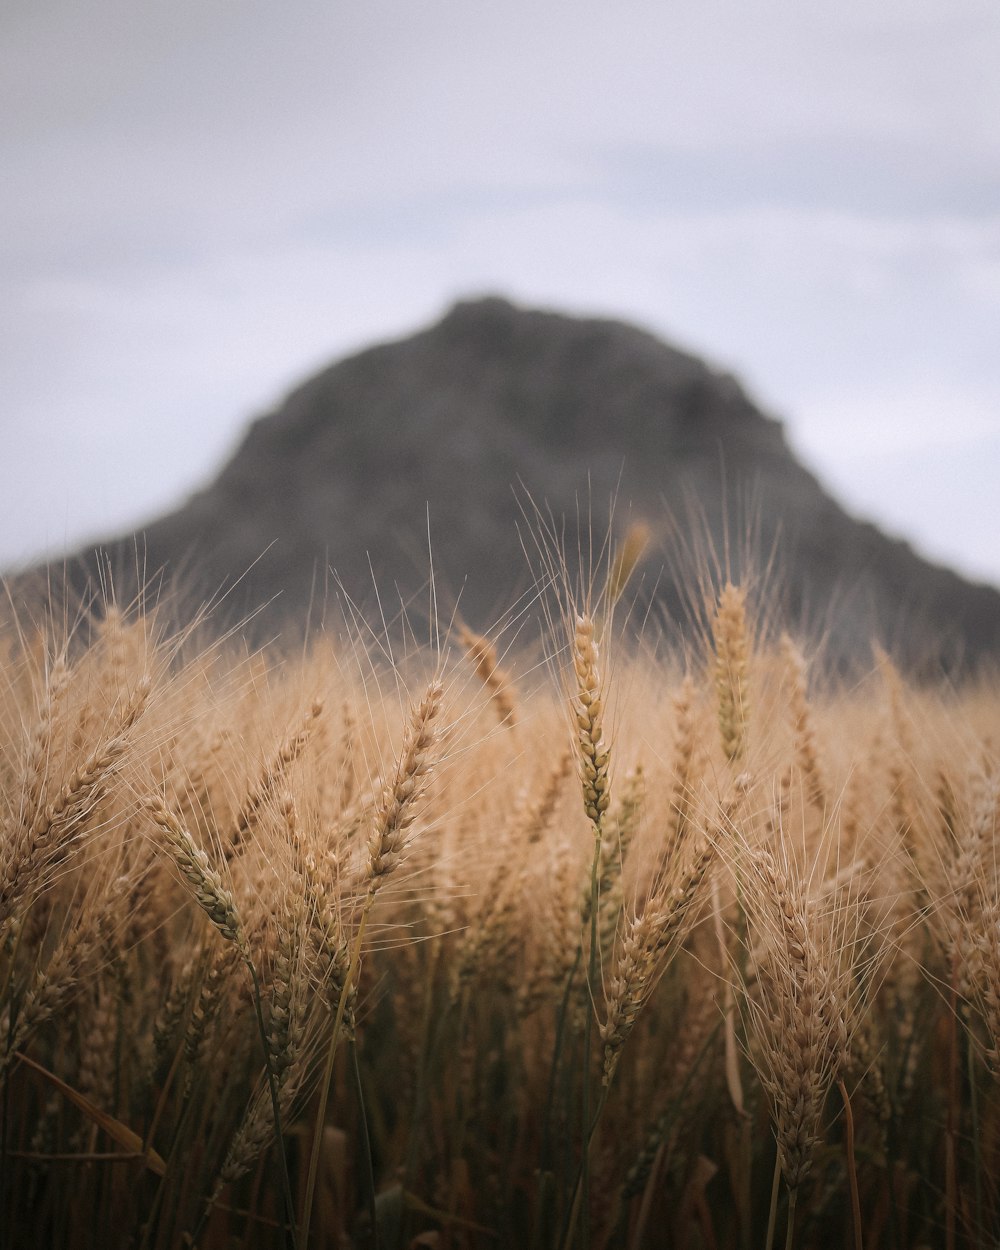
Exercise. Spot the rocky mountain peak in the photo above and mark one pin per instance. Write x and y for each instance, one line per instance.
(451, 422)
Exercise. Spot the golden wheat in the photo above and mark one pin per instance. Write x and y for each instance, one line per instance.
(795, 951)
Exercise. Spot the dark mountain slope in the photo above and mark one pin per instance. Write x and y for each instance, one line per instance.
(450, 418)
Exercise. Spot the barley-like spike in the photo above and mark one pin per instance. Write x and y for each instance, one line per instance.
(271, 775)
(729, 630)
(196, 868)
(483, 656)
(592, 752)
(802, 724)
(650, 942)
(397, 808)
(58, 820)
(682, 777)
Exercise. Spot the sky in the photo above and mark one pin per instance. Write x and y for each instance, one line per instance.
(203, 201)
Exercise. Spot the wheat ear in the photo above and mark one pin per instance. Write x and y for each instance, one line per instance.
(801, 1029)
(802, 723)
(271, 775)
(614, 851)
(52, 988)
(589, 710)
(627, 560)
(396, 810)
(40, 741)
(683, 767)
(483, 656)
(59, 819)
(729, 631)
(650, 942)
(202, 879)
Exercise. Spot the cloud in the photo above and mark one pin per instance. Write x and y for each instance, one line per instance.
(182, 127)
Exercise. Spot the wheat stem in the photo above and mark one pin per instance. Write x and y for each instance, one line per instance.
(772, 1212)
(793, 1195)
(327, 1077)
(366, 1145)
(852, 1166)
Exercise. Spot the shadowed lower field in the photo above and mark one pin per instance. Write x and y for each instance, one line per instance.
(618, 949)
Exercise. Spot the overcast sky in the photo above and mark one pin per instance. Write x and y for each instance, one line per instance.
(201, 201)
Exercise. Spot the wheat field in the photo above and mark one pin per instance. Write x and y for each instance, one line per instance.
(576, 939)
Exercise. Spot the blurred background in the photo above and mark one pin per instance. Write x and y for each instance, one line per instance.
(205, 200)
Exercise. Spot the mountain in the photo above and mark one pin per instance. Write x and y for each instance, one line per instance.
(445, 424)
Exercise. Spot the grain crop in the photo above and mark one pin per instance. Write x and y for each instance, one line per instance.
(644, 939)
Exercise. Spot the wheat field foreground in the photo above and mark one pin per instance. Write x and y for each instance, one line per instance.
(581, 942)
